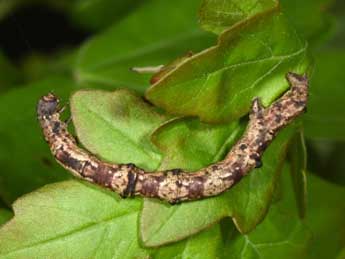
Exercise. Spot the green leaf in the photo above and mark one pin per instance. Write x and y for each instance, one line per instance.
(38, 66)
(298, 164)
(326, 159)
(325, 118)
(218, 15)
(326, 210)
(78, 227)
(99, 14)
(190, 144)
(206, 245)
(5, 215)
(218, 84)
(9, 74)
(341, 254)
(80, 220)
(247, 203)
(121, 126)
(316, 28)
(338, 39)
(143, 38)
(26, 162)
(72, 220)
(281, 235)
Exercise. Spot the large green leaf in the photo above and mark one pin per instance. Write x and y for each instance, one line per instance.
(281, 235)
(99, 14)
(325, 117)
(316, 28)
(341, 255)
(218, 84)
(338, 39)
(37, 66)
(154, 34)
(121, 126)
(247, 202)
(26, 162)
(218, 15)
(9, 74)
(190, 144)
(72, 220)
(298, 165)
(72, 226)
(326, 159)
(77, 220)
(325, 217)
(206, 245)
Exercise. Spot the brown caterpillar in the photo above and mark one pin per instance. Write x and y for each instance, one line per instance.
(176, 185)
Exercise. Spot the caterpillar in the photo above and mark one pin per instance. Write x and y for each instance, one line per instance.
(176, 185)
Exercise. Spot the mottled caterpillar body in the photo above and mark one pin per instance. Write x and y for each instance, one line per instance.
(176, 185)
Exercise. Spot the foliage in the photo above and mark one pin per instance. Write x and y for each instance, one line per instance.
(219, 83)
(241, 49)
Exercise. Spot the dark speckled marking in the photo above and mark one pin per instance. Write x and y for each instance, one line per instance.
(196, 188)
(243, 146)
(215, 167)
(278, 118)
(129, 165)
(257, 158)
(278, 106)
(129, 191)
(176, 185)
(86, 164)
(56, 127)
(236, 175)
(102, 177)
(65, 158)
(150, 187)
(176, 171)
(299, 104)
(262, 147)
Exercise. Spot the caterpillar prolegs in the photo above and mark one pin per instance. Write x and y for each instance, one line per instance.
(176, 185)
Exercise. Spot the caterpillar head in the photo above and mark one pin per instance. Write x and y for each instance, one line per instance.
(47, 105)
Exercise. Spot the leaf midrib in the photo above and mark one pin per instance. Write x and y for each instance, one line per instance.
(131, 141)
